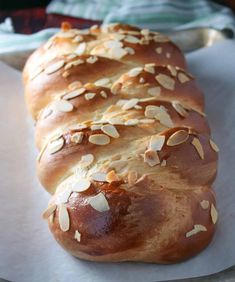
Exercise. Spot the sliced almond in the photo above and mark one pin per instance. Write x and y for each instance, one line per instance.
(64, 220)
(113, 44)
(81, 185)
(95, 127)
(103, 94)
(130, 50)
(214, 146)
(55, 145)
(177, 138)
(168, 55)
(146, 121)
(150, 68)
(145, 32)
(151, 111)
(74, 93)
(165, 81)
(80, 49)
(77, 126)
(54, 67)
(99, 139)
(131, 39)
(67, 34)
(42, 151)
(65, 74)
(214, 214)
(165, 119)
(99, 203)
(205, 204)
(77, 39)
(142, 80)
(89, 96)
(135, 71)
(130, 104)
(46, 113)
(77, 236)
(158, 50)
(92, 60)
(131, 122)
(161, 38)
(110, 130)
(74, 85)
(151, 158)
(196, 229)
(183, 77)
(116, 87)
(86, 160)
(179, 108)
(198, 146)
(117, 53)
(99, 176)
(102, 82)
(36, 72)
(50, 210)
(112, 176)
(157, 142)
(154, 91)
(163, 163)
(116, 121)
(63, 106)
(172, 69)
(132, 177)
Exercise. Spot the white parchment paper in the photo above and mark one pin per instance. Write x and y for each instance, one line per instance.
(27, 250)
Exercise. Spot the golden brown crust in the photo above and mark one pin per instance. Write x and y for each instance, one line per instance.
(125, 148)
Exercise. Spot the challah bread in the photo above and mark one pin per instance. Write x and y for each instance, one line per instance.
(125, 149)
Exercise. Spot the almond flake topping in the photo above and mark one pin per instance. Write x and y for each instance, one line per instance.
(74, 85)
(161, 38)
(65, 74)
(131, 39)
(130, 50)
(196, 229)
(103, 94)
(77, 39)
(95, 127)
(64, 196)
(130, 104)
(214, 214)
(99, 139)
(132, 177)
(110, 130)
(164, 118)
(117, 53)
(198, 146)
(81, 49)
(99, 176)
(112, 176)
(145, 32)
(146, 121)
(92, 60)
(63, 106)
(158, 50)
(135, 72)
(74, 93)
(64, 34)
(99, 203)
(46, 113)
(50, 210)
(150, 68)
(172, 69)
(166, 81)
(89, 96)
(86, 160)
(77, 236)
(151, 111)
(179, 108)
(214, 146)
(177, 138)
(157, 142)
(54, 67)
(163, 163)
(113, 44)
(36, 72)
(151, 158)
(168, 55)
(80, 185)
(77, 137)
(64, 220)
(131, 122)
(102, 82)
(154, 91)
(204, 204)
(183, 77)
(77, 126)
(141, 80)
(55, 145)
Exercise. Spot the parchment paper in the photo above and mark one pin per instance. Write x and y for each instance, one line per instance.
(27, 250)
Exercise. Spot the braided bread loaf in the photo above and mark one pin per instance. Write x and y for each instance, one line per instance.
(125, 148)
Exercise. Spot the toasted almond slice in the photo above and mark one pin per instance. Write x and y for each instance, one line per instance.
(131, 122)
(42, 151)
(55, 145)
(138, 107)
(89, 96)
(154, 91)
(95, 127)
(99, 139)
(130, 104)
(102, 82)
(77, 137)
(130, 50)
(112, 176)
(157, 142)
(183, 77)
(117, 53)
(46, 113)
(145, 32)
(142, 80)
(131, 39)
(116, 121)
(116, 87)
(158, 50)
(80, 49)
(165, 81)
(99, 176)
(148, 99)
(63, 106)
(196, 229)
(64, 220)
(113, 44)
(204, 204)
(71, 56)
(172, 69)
(99, 203)
(214, 214)
(132, 177)
(86, 160)
(110, 130)
(214, 146)
(103, 94)
(36, 72)
(151, 158)
(63, 197)
(177, 138)
(161, 38)
(65, 74)
(77, 39)
(77, 126)
(74, 93)
(118, 165)
(54, 67)
(65, 34)
(151, 111)
(81, 185)
(74, 85)
(77, 236)
(150, 68)
(163, 163)
(92, 60)
(50, 210)
(135, 71)
(146, 121)
(179, 108)
(198, 146)
(165, 119)
(168, 55)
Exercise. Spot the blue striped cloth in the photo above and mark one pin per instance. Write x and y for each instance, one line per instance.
(162, 15)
